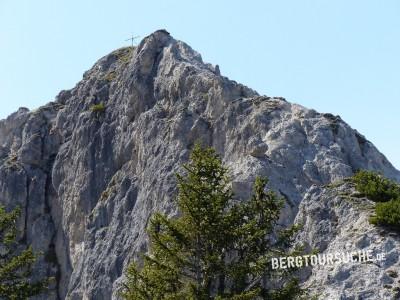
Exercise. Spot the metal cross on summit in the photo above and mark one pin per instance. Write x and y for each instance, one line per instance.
(132, 39)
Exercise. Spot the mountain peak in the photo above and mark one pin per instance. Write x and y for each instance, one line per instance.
(90, 168)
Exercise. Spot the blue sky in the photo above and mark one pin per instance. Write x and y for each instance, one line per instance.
(335, 56)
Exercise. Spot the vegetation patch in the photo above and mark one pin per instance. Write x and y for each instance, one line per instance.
(387, 213)
(375, 186)
(385, 192)
(98, 108)
(110, 76)
(125, 54)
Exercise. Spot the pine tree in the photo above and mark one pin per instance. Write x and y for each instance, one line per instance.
(16, 266)
(217, 248)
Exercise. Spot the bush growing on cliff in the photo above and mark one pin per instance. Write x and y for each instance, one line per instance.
(217, 248)
(384, 191)
(98, 108)
(376, 187)
(387, 213)
(16, 266)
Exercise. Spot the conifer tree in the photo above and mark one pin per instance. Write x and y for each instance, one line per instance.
(216, 248)
(16, 266)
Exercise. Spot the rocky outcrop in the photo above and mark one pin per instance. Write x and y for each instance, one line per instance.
(88, 177)
(336, 220)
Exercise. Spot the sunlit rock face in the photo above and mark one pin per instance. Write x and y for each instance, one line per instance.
(336, 220)
(88, 179)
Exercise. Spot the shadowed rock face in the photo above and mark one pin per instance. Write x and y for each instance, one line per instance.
(89, 180)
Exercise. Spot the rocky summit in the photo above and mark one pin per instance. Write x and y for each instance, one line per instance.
(89, 168)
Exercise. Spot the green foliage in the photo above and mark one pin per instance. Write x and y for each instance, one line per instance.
(98, 108)
(16, 266)
(384, 191)
(387, 213)
(125, 54)
(376, 187)
(217, 248)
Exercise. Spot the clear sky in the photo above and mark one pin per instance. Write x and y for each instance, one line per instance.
(336, 56)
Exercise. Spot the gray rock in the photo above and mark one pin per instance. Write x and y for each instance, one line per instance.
(88, 181)
(334, 221)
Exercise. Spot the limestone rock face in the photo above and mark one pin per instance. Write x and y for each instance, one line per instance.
(335, 220)
(88, 177)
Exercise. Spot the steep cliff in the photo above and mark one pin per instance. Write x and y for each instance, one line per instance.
(89, 168)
